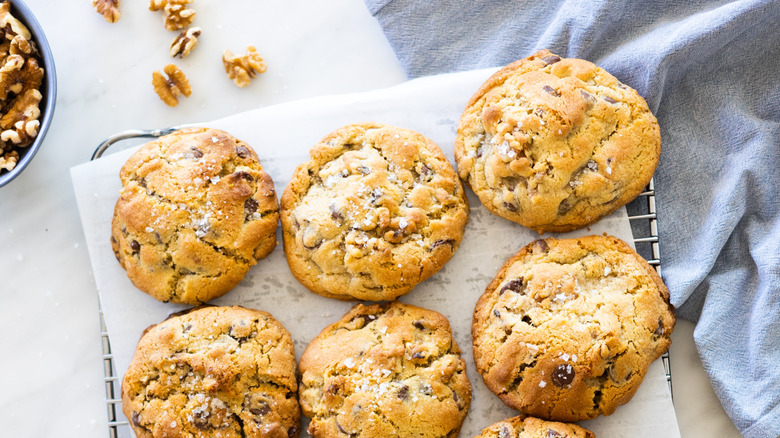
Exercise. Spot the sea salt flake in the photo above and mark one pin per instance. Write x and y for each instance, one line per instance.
(149, 229)
(565, 356)
(542, 383)
(214, 139)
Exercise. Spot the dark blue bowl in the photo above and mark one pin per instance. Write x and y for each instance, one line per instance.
(48, 89)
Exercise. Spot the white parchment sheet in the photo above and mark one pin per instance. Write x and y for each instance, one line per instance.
(282, 136)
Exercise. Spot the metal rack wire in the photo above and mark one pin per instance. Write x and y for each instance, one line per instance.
(644, 225)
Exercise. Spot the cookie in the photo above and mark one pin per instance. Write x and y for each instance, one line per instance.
(531, 427)
(196, 211)
(555, 143)
(213, 371)
(567, 329)
(375, 211)
(385, 370)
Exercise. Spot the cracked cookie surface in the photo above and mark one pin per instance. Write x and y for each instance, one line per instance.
(567, 329)
(522, 426)
(555, 143)
(375, 211)
(213, 371)
(385, 370)
(196, 211)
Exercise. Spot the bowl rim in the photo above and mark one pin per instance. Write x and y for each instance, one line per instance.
(23, 13)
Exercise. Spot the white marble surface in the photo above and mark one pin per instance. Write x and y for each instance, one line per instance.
(52, 376)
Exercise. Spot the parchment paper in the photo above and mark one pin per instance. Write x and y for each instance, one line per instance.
(282, 136)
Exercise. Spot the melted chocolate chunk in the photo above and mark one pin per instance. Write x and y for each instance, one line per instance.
(439, 243)
(515, 286)
(419, 325)
(497, 313)
(418, 355)
(135, 246)
(541, 246)
(509, 206)
(261, 409)
(197, 153)
(403, 392)
(610, 100)
(505, 432)
(550, 90)
(592, 166)
(242, 151)
(563, 375)
(364, 170)
(553, 434)
(200, 420)
(551, 59)
(335, 213)
(250, 206)
(291, 432)
(136, 418)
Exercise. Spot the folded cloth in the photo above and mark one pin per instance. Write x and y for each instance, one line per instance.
(709, 71)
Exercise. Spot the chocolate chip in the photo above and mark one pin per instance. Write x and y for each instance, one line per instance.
(197, 153)
(158, 237)
(610, 100)
(425, 173)
(659, 331)
(563, 375)
(497, 313)
(261, 409)
(250, 206)
(540, 245)
(200, 420)
(509, 206)
(334, 213)
(291, 432)
(551, 59)
(587, 96)
(187, 327)
(341, 429)
(439, 243)
(364, 170)
(551, 90)
(564, 207)
(113, 240)
(592, 165)
(418, 355)
(136, 418)
(135, 246)
(540, 112)
(515, 286)
(419, 325)
(242, 151)
(374, 197)
(553, 434)
(403, 393)
(505, 432)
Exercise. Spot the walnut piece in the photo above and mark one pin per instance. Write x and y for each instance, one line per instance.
(8, 160)
(18, 75)
(10, 26)
(242, 69)
(183, 44)
(169, 89)
(20, 124)
(176, 14)
(109, 9)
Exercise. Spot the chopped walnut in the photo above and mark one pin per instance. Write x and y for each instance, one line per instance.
(10, 26)
(8, 160)
(18, 75)
(241, 69)
(20, 124)
(176, 14)
(183, 44)
(174, 86)
(109, 9)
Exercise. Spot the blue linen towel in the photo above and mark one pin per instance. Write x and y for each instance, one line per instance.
(709, 71)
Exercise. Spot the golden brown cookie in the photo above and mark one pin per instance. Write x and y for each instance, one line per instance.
(385, 370)
(555, 143)
(567, 329)
(531, 427)
(375, 211)
(196, 211)
(213, 371)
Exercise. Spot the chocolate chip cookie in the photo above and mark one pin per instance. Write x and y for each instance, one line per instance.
(567, 329)
(385, 370)
(213, 371)
(556, 143)
(375, 211)
(531, 427)
(196, 211)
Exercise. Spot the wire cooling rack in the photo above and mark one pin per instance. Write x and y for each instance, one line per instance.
(644, 226)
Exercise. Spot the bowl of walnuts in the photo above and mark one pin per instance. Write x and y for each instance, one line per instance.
(28, 88)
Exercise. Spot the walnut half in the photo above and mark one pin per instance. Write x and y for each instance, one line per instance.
(109, 9)
(242, 69)
(176, 14)
(169, 89)
(183, 44)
